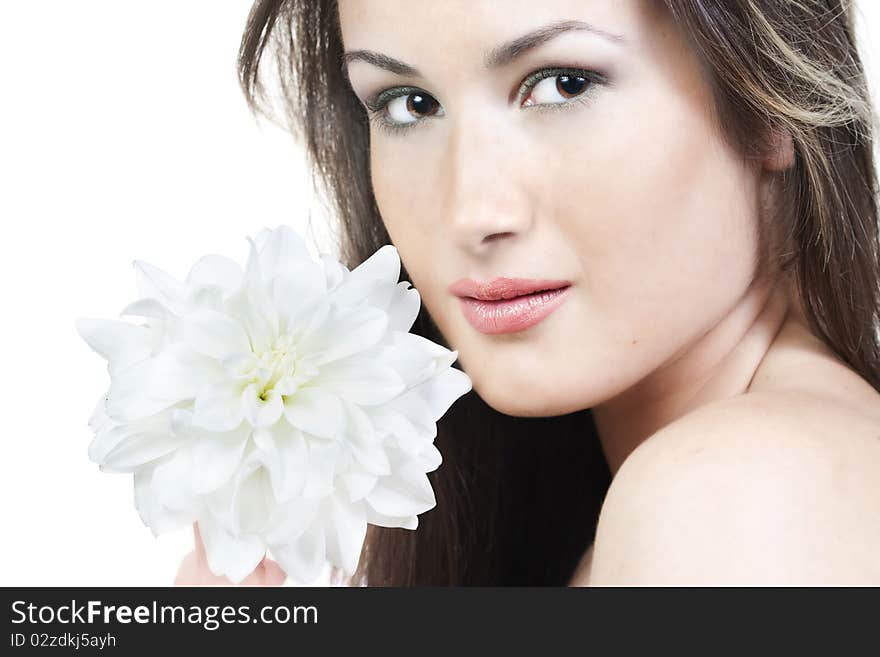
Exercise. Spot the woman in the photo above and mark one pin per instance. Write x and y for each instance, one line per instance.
(697, 402)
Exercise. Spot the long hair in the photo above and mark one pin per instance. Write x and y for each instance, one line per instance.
(518, 499)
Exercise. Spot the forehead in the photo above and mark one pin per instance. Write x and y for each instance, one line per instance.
(481, 24)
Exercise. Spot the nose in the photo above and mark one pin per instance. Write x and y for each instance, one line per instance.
(487, 192)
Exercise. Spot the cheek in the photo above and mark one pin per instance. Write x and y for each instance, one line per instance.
(401, 194)
(393, 184)
(664, 228)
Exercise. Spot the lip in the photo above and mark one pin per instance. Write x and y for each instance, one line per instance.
(503, 288)
(508, 305)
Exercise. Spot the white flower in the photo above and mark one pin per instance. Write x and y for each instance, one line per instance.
(282, 407)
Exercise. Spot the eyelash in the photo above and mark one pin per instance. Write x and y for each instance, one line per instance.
(376, 105)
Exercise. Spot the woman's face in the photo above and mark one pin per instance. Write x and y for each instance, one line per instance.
(631, 195)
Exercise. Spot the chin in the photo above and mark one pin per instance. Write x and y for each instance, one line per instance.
(509, 400)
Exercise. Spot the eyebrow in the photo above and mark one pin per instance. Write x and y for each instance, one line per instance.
(496, 58)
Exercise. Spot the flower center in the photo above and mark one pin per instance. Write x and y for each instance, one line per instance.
(278, 361)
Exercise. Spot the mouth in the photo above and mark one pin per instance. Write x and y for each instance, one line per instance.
(509, 305)
(525, 295)
(499, 289)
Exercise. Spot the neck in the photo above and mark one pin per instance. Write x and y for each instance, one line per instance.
(722, 363)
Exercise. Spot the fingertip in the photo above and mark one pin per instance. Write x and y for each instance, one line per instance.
(275, 573)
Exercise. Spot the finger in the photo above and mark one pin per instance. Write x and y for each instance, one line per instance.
(186, 571)
(275, 575)
(257, 576)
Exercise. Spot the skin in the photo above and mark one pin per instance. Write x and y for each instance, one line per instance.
(637, 200)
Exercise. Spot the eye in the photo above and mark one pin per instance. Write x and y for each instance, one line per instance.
(416, 103)
(398, 109)
(549, 84)
(391, 109)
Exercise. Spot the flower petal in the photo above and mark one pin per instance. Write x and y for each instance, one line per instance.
(359, 427)
(253, 305)
(376, 518)
(217, 456)
(323, 456)
(279, 248)
(404, 307)
(99, 418)
(412, 356)
(217, 270)
(228, 555)
(138, 448)
(361, 380)
(296, 290)
(179, 373)
(364, 442)
(126, 401)
(106, 438)
(304, 557)
(346, 331)
(387, 420)
(441, 390)
(252, 501)
(219, 406)
(148, 308)
(143, 500)
(208, 297)
(172, 482)
(372, 458)
(309, 323)
(291, 519)
(357, 485)
(429, 459)
(406, 492)
(154, 283)
(381, 295)
(286, 458)
(383, 265)
(353, 291)
(335, 271)
(314, 411)
(422, 406)
(345, 534)
(408, 414)
(214, 334)
(120, 343)
(158, 518)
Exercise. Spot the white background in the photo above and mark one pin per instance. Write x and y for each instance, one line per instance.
(123, 135)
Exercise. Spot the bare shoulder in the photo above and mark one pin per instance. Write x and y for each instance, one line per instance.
(771, 488)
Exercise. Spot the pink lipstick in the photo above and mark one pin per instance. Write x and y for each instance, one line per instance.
(507, 305)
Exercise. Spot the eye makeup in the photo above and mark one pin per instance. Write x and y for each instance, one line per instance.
(377, 103)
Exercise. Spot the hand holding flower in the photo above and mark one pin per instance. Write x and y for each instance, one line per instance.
(194, 570)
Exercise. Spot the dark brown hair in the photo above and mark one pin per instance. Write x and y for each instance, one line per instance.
(518, 498)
